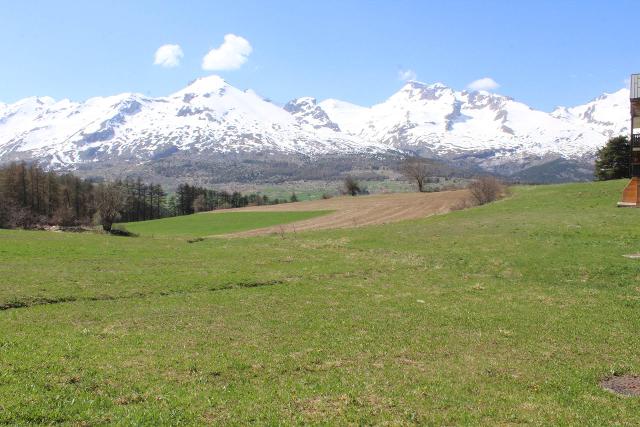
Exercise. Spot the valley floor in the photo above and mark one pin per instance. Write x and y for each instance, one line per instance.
(508, 313)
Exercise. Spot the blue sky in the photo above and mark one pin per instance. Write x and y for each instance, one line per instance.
(544, 53)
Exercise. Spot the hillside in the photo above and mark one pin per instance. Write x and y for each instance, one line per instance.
(510, 313)
(213, 130)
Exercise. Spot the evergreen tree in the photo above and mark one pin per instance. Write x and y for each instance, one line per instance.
(613, 161)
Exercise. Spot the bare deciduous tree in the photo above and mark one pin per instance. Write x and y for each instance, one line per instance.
(200, 204)
(109, 201)
(486, 189)
(416, 169)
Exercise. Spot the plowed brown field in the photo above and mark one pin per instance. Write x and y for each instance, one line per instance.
(359, 211)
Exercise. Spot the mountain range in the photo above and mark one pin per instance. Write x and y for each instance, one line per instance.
(212, 125)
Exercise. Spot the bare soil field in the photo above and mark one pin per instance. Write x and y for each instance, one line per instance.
(359, 211)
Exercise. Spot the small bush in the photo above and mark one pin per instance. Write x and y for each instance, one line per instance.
(486, 189)
(462, 204)
(12, 215)
(64, 216)
(351, 186)
(326, 196)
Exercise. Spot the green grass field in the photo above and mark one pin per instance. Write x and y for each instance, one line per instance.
(208, 224)
(504, 314)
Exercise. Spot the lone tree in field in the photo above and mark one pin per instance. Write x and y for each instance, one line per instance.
(351, 186)
(613, 161)
(416, 169)
(486, 189)
(109, 201)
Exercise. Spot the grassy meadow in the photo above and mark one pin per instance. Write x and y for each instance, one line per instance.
(505, 314)
(209, 224)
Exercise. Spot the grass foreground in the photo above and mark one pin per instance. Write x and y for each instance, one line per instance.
(212, 223)
(504, 314)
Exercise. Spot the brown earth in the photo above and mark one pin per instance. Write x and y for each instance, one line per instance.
(626, 385)
(360, 211)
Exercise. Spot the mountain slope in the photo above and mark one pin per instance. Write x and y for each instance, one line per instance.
(496, 132)
(209, 115)
(608, 114)
(210, 121)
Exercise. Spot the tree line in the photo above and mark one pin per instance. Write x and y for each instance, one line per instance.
(31, 196)
(191, 199)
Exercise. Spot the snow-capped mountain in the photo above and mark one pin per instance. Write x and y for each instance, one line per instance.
(211, 118)
(494, 130)
(310, 115)
(209, 115)
(608, 114)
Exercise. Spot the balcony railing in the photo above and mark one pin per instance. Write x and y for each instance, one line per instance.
(635, 140)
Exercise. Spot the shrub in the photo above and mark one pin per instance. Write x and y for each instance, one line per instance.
(462, 204)
(64, 216)
(109, 202)
(351, 186)
(6, 212)
(486, 189)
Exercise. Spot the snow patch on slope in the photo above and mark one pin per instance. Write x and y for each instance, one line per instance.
(211, 116)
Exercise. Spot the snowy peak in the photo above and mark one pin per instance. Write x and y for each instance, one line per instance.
(202, 86)
(210, 117)
(607, 114)
(417, 91)
(437, 120)
(309, 114)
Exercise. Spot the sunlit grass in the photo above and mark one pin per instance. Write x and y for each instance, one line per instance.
(504, 314)
(212, 223)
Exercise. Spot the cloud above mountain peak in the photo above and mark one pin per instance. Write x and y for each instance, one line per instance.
(407, 75)
(485, 83)
(230, 55)
(168, 55)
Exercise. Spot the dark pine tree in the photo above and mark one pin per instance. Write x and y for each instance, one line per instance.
(613, 161)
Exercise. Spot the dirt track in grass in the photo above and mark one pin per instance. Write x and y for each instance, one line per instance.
(359, 211)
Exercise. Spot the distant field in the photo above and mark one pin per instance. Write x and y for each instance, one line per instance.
(218, 222)
(349, 212)
(313, 190)
(505, 314)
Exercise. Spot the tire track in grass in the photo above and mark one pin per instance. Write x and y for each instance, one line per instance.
(34, 302)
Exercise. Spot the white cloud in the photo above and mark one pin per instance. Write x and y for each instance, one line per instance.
(406, 75)
(485, 83)
(230, 55)
(168, 55)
